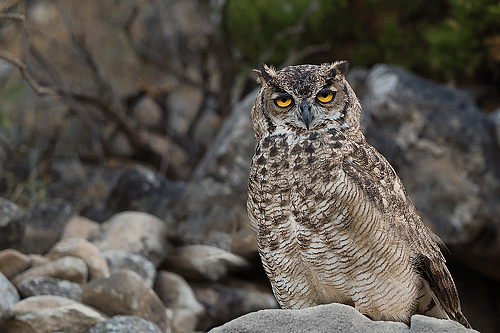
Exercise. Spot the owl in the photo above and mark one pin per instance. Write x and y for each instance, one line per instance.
(332, 219)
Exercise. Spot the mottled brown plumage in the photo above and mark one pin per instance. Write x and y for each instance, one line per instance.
(331, 217)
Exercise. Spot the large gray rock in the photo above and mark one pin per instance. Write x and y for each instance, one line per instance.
(443, 148)
(331, 318)
(215, 198)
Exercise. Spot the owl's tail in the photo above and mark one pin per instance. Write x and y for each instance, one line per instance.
(439, 296)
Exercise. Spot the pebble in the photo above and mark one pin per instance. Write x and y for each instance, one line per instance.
(125, 293)
(134, 232)
(45, 285)
(66, 268)
(8, 292)
(83, 249)
(118, 260)
(80, 227)
(176, 293)
(124, 324)
(13, 262)
(203, 262)
(47, 314)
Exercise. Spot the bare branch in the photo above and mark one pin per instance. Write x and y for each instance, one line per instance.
(10, 58)
(13, 16)
(5, 5)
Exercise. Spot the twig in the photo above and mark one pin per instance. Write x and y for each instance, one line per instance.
(10, 58)
(13, 16)
(5, 5)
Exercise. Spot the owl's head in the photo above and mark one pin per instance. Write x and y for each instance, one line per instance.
(304, 98)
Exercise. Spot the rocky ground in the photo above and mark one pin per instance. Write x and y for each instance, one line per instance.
(153, 255)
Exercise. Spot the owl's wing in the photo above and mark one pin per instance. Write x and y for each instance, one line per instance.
(377, 179)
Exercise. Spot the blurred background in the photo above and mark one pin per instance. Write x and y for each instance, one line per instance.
(98, 98)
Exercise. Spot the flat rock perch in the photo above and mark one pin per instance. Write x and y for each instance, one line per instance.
(331, 318)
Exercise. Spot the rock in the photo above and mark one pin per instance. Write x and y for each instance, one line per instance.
(47, 314)
(124, 324)
(125, 293)
(176, 293)
(440, 144)
(44, 225)
(38, 260)
(8, 292)
(80, 227)
(142, 189)
(12, 262)
(203, 262)
(46, 285)
(331, 318)
(12, 226)
(66, 268)
(118, 260)
(83, 249)
(183, 320)
(215, 198)
(443, 148)
(136, 233)
(225, 302)
(494, 117)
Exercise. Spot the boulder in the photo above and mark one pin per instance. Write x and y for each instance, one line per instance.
(203, 262)
(8, 292)
(13, 262)
(125, 293)
(47, 314)
(214, 200)
(80, 227)
(118, 260)
(136, 233)
(83, 249)
(331, 318)
(46, 285)
(66, 268)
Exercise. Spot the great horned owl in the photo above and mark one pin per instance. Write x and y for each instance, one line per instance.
(332, 219)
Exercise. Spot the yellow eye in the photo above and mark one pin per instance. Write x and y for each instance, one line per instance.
(325, 97)
(283, 102)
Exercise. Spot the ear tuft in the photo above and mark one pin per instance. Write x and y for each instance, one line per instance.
(341, 66)
(263, 74)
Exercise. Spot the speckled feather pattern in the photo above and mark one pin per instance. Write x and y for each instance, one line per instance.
(331, 217)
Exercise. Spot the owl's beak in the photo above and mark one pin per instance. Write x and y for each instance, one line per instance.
(305, 114)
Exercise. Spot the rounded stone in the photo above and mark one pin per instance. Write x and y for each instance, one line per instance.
(125, 293)
(46, 314)
(134, 232)
(66, 268)
(83, 249)
(45, 285)
(118, 260)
